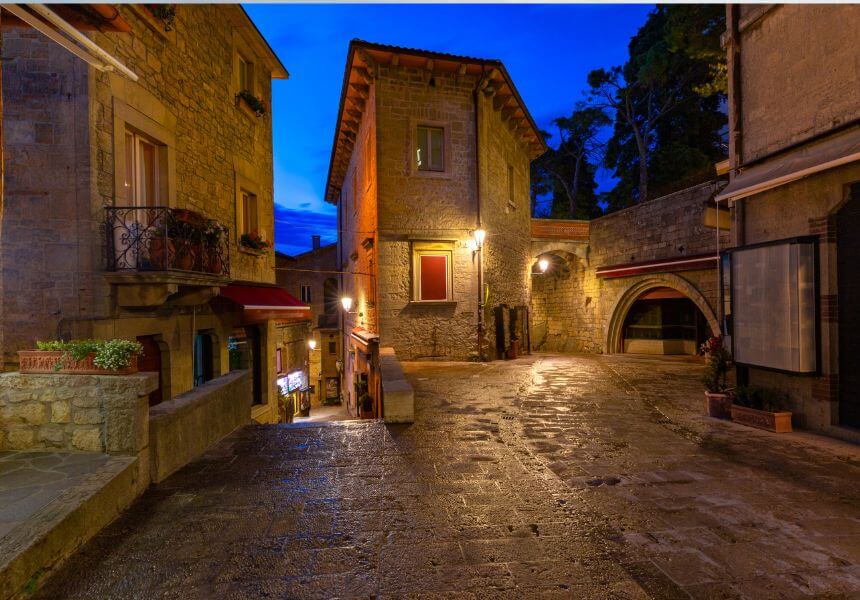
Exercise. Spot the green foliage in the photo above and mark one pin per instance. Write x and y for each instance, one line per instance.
(254, 103)
(665, 102)
(760, 398)
(108, 354)
(718, 361)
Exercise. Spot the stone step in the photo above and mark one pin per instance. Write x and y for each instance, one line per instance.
(52, 504)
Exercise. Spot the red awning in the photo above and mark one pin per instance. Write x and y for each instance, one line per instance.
(666, 265)
(263, 303)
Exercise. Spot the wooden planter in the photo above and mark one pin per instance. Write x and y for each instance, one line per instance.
(778, 422)
(44, 361)
(718, 405)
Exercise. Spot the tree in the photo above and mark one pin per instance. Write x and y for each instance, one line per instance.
(665, 104)
(573, 163)
(541, 180)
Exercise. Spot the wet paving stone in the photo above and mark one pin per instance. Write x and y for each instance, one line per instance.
(544, 477)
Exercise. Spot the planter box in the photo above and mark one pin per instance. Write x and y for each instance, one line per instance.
(718, 405)
(778, 422)
(43, 361)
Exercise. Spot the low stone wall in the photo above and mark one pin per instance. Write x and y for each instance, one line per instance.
(181, 429)
(398, 398)
(91, 413)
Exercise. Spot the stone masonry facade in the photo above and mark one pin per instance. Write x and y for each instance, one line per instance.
(65, 125)
(572, 309)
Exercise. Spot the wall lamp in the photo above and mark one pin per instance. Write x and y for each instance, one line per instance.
(312, 344)
(480, 235)
(543, 265)
(346, 302)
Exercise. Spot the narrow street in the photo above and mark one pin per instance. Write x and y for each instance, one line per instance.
(549, 476)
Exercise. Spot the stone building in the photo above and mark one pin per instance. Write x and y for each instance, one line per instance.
(794, 127)
(428, 149)
(126, 198)
(313, 277)
(644, 279)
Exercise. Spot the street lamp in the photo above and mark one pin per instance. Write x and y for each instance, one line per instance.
(312, 344)
(346, 301)
(480, 234)
(543, 265)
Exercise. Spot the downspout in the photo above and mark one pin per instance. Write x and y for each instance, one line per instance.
(480, 250)
(735, 112)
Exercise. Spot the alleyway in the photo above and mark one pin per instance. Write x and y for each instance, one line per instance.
(550, 476)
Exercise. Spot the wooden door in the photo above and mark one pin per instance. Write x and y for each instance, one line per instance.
(151, 361)
(848, 274)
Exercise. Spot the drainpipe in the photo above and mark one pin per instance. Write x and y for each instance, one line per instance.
(735, 111)
(478, 115)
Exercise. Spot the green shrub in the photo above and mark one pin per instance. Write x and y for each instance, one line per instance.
(109, 354)
(760, 398)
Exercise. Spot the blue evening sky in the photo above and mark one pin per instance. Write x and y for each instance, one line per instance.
(547, 49)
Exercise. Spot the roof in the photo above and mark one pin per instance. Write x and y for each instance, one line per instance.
(363, 59)
(279, 71)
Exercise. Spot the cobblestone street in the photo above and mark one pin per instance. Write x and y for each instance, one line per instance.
(549, 476)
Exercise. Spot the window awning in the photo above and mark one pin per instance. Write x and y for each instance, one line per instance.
(663, 265)
(814, 158)
(263, 303)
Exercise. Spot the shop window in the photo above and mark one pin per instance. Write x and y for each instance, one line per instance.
(432, 272)
(429, 148)
(773, 313)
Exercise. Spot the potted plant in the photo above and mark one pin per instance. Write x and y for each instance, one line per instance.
(82, 357)
(213, 234)
(166, 13)
(718, 361)
(185, 232)
(760, 407)
(255, 104)
(254, 243)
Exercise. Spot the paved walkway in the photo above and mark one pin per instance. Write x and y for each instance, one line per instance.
(326, 413)
(545, 477)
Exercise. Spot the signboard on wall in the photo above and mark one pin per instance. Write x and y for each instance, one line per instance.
(774, 305)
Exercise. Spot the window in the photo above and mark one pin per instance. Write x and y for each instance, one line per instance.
(247, 212)
(429, 151)
(432, 281)
(203, 364)
(511, 200)
(355, 192)
(279, 361)
(332, 347)
(773, 305)
(145, 179)
(306, 294)
(246, 75)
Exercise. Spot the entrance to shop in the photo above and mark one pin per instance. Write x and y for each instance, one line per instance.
(848, 274)
(664, 321)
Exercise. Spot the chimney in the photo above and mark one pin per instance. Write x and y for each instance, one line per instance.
(315, 241)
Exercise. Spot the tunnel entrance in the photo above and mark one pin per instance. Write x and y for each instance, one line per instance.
(664, 321)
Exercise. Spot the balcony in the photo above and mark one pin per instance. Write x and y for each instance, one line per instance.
(156, 252)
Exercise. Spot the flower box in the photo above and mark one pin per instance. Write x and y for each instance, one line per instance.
(778, 422)
(718, 405)
(45, 361)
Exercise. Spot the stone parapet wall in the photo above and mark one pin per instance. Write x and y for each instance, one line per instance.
(573, 310)
(181, 429)
(91, 413)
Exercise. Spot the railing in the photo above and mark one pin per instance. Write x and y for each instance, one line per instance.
(159, 238)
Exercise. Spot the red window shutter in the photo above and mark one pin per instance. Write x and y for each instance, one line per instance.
(434, 277)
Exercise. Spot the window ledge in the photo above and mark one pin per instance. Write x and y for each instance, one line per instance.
(431, 174)
(252, 252)
(434, 302)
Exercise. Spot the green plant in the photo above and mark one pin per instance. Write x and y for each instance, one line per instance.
(113, 355)
(254, 103)
(760, 398)
(163, 12)
(254, 241)
(718, 361)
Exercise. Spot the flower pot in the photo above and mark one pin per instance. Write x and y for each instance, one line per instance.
(778, 422)
(719, 405)
(184, 260)
(213, 264)
(45, 361)
(161, 252)
(513, 349)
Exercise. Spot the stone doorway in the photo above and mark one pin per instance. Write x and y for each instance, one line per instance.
(663, 321)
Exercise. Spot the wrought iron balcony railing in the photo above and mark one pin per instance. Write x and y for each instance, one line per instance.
(159, 238)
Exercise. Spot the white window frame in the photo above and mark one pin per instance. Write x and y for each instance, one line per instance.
(425, 131)
(420, 249)
(445, 173)
(306, 294)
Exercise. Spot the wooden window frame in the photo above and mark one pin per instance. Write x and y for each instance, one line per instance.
(420, 249)
(445, 173)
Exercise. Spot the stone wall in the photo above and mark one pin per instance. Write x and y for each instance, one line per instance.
(90, 413)
(793, 88)
(572, 308)
(64, 126)
(181, 429)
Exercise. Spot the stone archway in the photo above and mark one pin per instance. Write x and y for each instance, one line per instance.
(615, 326)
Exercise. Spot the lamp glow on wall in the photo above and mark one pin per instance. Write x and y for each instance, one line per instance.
(346, 302)
(543, 265)
(312, 344)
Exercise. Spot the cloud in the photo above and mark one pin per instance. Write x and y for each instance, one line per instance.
(294, 228)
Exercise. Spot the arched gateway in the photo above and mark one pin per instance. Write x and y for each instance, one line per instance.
(614, 334)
